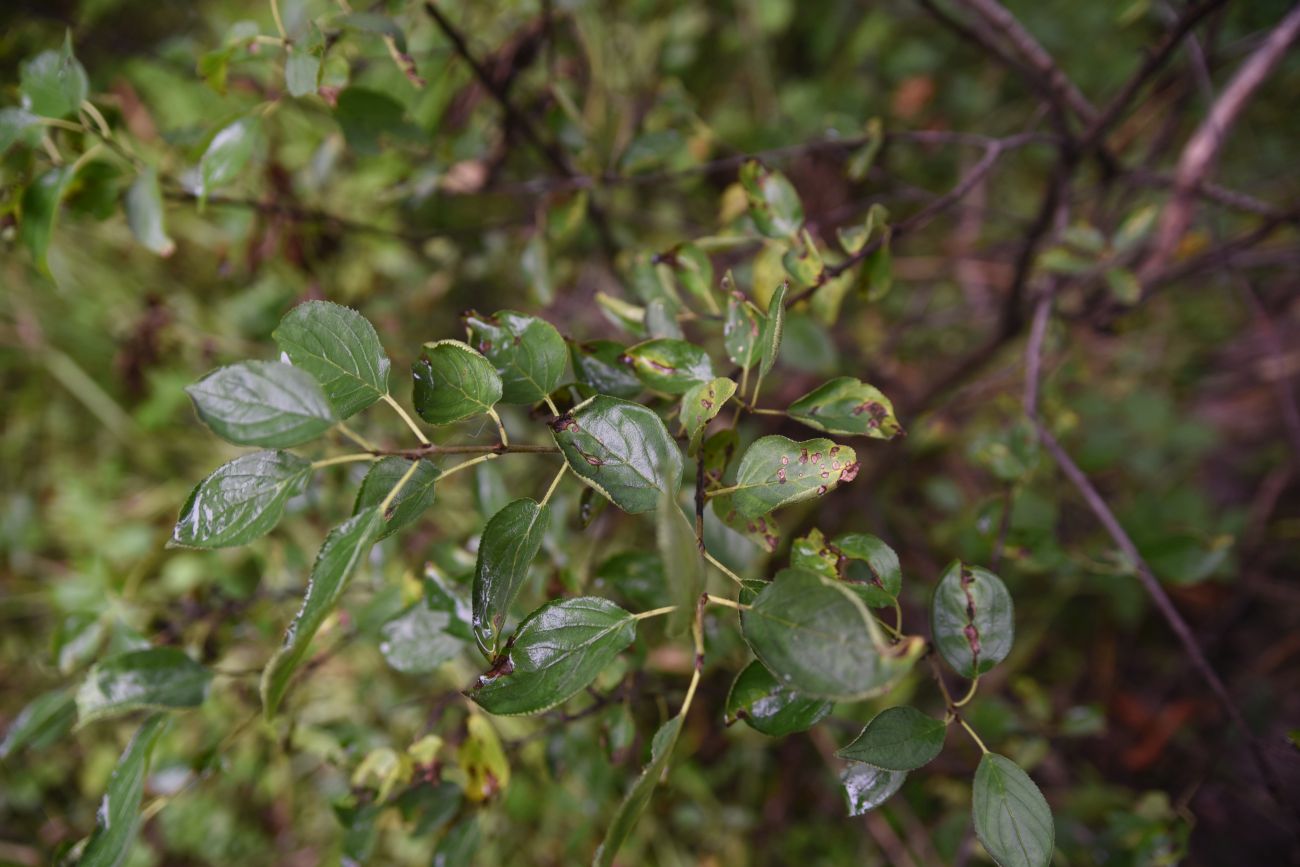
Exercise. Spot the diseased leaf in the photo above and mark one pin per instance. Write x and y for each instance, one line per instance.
(804, 262)
(637, 797)
(846, 405)
(453, 382)
(682, 562)
(144, 213)
(817, 638)
(599, 366)
(742, 327)
(1012, 818)
(621, 449)
(54, 83)
(506, 551)
(771, 708)
(762, 530)
(866, 788)
(339, 347)
(814, 554)
(556, 652)
(157, 678)
(769, 342)
(777, 471)
(227, 154)
(898, 739)
(527, 352)
(44, 720)
(670, 366)
(118, 818)
(870, 567)
(415, 497)
(973, 619)
(345, 546)
(419, 640)
(774, 204)
(263, 403)
(701, 405)
(241, 500)
(482, 760)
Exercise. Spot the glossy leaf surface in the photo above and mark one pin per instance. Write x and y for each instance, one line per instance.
(263, 403)
(339, 347)
(241, 500)
(509, 544)
(159, 677)
(1012, 818)
(973, 619)
(777, 471)
(897, 739)
(769, 707)
(527, 352)
(453, 382)
(846, 405)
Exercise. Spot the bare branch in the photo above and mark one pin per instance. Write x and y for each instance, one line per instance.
(1203, 147)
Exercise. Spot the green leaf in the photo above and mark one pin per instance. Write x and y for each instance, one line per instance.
(556, 652)
(621, 449)
(777, 471)
(854, 238)
(818, 639)
(1012, 818)
(301, 72)
(118, 818)
(972, 618)
(769, 342)
(682, 562)
(40, 208)
(453, 382)
(510, 542)
(770, 708)
(345, 547)
(866, 788)
(460, 845)
(227, 154)
(774, 204)
(701, 405)
(742, 328)
(661, 322)
(157, 678)
(870, 567)
(670, 366)
(144, 213)
(241, 500)
(694, 272)
(44, 720)
(419, 640)
(527, 352)
(339, 347)
(814, 554)
(263, 403)
(898, 739)
(849, 406)
(370, 119)
(638, 797)
(18, 125)
(803, 262)
(54, 83)
(411, 502)
(634, 576)
(762, 530)
(440, 595)
(878, 272)
(599, 365)
(1124, 285)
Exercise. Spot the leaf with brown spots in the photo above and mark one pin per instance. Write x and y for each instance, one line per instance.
(847, 406)
(973, 619)
(777, 471)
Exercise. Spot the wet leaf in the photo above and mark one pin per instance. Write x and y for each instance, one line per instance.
(43, 721)
(419, 640)
(527, 352)
(817, 638)
(638, 797)
(634, 576)
(54, 83)
(771, 708)
(866, 788)
(145, 214)
(898, 739)
(670, 366)
(973, 619)
(339, 347)
(701, 405)
(118, 818)
(345, 546)
(157, 678)
(777, 471)
(742, 328)
(621, 449)
(1012, 818)
(509, 544)
(849, 406)
(453, 382)
(554, 654)
(241, 501)
(263, 403)
(870, 567)
(415, 498)
(18, 125)
(599, 365)
(814, 554)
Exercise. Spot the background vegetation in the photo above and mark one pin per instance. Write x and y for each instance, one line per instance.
(1059, 258)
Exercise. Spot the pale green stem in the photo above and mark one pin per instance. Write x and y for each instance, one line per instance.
(970, 693)
(501, 428)
(279, 22)
(341, 459)
(970, 731)
(89, 108)
(717, 492)
(397, 488)
(356, 437)
(555, 482)
(655, 612)
(464, 465)
(722, 600)
(550, 404)
(397, 407)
